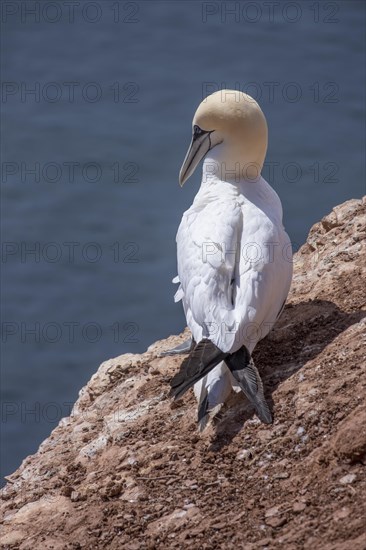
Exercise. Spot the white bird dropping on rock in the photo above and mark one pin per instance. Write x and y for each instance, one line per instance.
(234, 256)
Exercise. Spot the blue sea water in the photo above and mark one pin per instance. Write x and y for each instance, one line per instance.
(97, 102)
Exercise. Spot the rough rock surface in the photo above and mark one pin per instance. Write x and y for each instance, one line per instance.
(128, 469)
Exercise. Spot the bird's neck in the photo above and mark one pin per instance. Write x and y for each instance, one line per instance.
(220, 178)
(229, 165)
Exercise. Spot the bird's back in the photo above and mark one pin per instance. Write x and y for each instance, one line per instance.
(234, 263)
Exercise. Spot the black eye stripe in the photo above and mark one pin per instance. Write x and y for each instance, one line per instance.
(197, 131)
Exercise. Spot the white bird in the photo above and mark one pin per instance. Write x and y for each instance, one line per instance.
(234, 256)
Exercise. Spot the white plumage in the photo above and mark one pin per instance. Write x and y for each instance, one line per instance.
(234, 256)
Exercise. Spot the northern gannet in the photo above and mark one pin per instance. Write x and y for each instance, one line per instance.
(234, 256)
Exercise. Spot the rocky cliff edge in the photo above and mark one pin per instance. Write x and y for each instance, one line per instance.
(128, 470)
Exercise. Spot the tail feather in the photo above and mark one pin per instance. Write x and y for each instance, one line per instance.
(246, 374)
(212, 392)
(202, 359)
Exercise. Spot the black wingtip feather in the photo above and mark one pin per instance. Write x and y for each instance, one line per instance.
(203, 358)
(202, 411)
(246, 374)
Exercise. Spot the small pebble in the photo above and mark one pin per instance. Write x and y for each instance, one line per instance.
(272, 512)
(349, 478)
(244, 454)
(282, 475)
(275, 521)
(341, 514)
(299, 507)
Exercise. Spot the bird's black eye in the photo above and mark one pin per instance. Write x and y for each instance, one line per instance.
(197, 131)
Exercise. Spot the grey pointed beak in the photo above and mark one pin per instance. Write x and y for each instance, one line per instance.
(199, 147)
